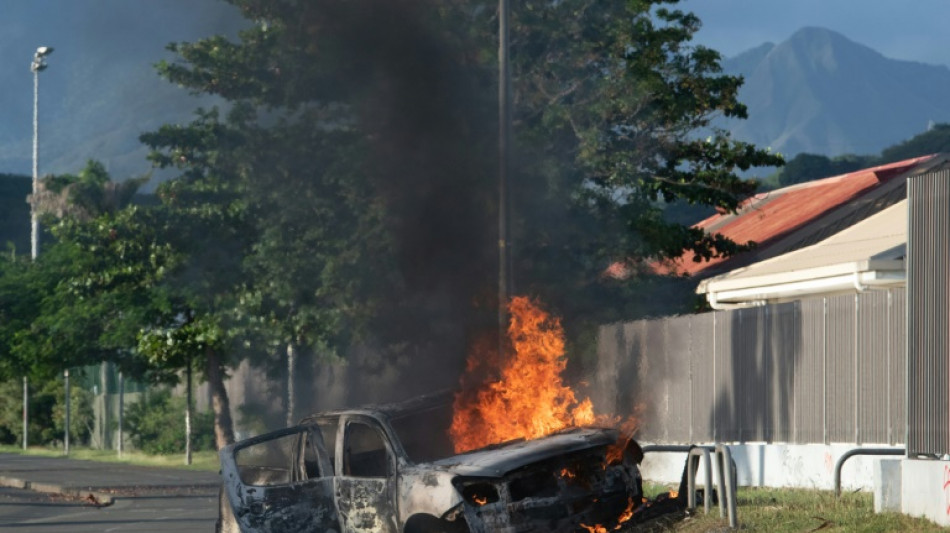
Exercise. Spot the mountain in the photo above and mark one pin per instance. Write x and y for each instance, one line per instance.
(819, 92)
(100, 90)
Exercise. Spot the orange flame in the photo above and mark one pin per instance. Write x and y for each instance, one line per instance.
(627, 513)
(528, 399)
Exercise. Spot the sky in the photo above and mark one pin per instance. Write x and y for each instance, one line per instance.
(915, 30)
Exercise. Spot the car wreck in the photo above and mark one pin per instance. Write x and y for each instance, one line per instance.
(393, 469)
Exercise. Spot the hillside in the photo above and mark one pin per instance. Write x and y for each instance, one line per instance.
(821, 93)
(100, 90)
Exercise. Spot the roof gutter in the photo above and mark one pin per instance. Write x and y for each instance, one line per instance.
(854, 282)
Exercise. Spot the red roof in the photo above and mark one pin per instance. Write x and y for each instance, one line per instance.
(768, 217)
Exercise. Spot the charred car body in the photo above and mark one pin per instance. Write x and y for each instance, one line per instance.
(392, 469)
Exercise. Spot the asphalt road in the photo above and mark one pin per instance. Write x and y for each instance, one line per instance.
(159, 511)
(143, 498)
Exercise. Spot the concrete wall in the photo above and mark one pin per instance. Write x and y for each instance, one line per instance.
(809, 466)
(925, 489)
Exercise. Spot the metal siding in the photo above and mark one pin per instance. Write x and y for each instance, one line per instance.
(703, 377)
(897, 366)
(785, 338)
(927, 286)
(641, 392)
(809, 374)
(724, 410)
(677, 378)
(872, 363)
(840, 365)
(786, 373)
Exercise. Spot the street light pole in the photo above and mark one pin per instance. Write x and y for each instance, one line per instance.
(38, 64)
(504, 132)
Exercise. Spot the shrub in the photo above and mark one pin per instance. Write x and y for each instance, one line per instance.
(156, 425)
(47, 413)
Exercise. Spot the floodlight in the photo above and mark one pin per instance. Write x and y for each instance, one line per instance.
(44, 51)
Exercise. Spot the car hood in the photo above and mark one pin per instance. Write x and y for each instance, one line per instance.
(497, 460)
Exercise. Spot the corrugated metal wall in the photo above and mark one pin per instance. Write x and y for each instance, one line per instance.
(928, 270)
(815, 371)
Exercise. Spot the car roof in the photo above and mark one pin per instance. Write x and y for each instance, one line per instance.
(392, 410)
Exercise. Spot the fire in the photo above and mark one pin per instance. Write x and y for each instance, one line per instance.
(528, 398)
(625, 516)
(480, 500)
(627, 513)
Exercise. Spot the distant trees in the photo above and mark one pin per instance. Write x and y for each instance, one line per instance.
(806, 167)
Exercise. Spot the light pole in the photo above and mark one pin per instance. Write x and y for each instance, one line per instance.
(38, 64)
(504, 146)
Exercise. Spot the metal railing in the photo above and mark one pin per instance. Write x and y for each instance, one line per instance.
(725, 480)
(860, 451)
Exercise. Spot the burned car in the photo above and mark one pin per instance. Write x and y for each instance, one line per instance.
(393, 469)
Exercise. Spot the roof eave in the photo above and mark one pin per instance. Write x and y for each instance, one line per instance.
(751, 293)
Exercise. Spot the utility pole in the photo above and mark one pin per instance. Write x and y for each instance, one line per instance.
(504, 145)
(188, 412)
(66, 429)
(119, 445)
(38, 65)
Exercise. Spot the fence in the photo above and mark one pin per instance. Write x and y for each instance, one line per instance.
(928, 284)
(824, 370)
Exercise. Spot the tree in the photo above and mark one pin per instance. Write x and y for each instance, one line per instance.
(358, 161)
(62, 309)
(613, 109)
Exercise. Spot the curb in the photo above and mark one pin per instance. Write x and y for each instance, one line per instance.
(97, 499)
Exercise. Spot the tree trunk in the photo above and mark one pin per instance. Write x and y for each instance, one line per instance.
(223, 426)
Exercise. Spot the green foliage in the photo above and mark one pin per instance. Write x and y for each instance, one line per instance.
(156, 425)
(47, 413)
(370, 181)
(807, 167)
(932, 141)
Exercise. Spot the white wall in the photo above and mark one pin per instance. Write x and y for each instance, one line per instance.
(809, 466)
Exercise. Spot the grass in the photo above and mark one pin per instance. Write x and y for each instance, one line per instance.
(203, 460)
(800, 511)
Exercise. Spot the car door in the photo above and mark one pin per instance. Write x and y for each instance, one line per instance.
(281, 482)
(365, 481)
